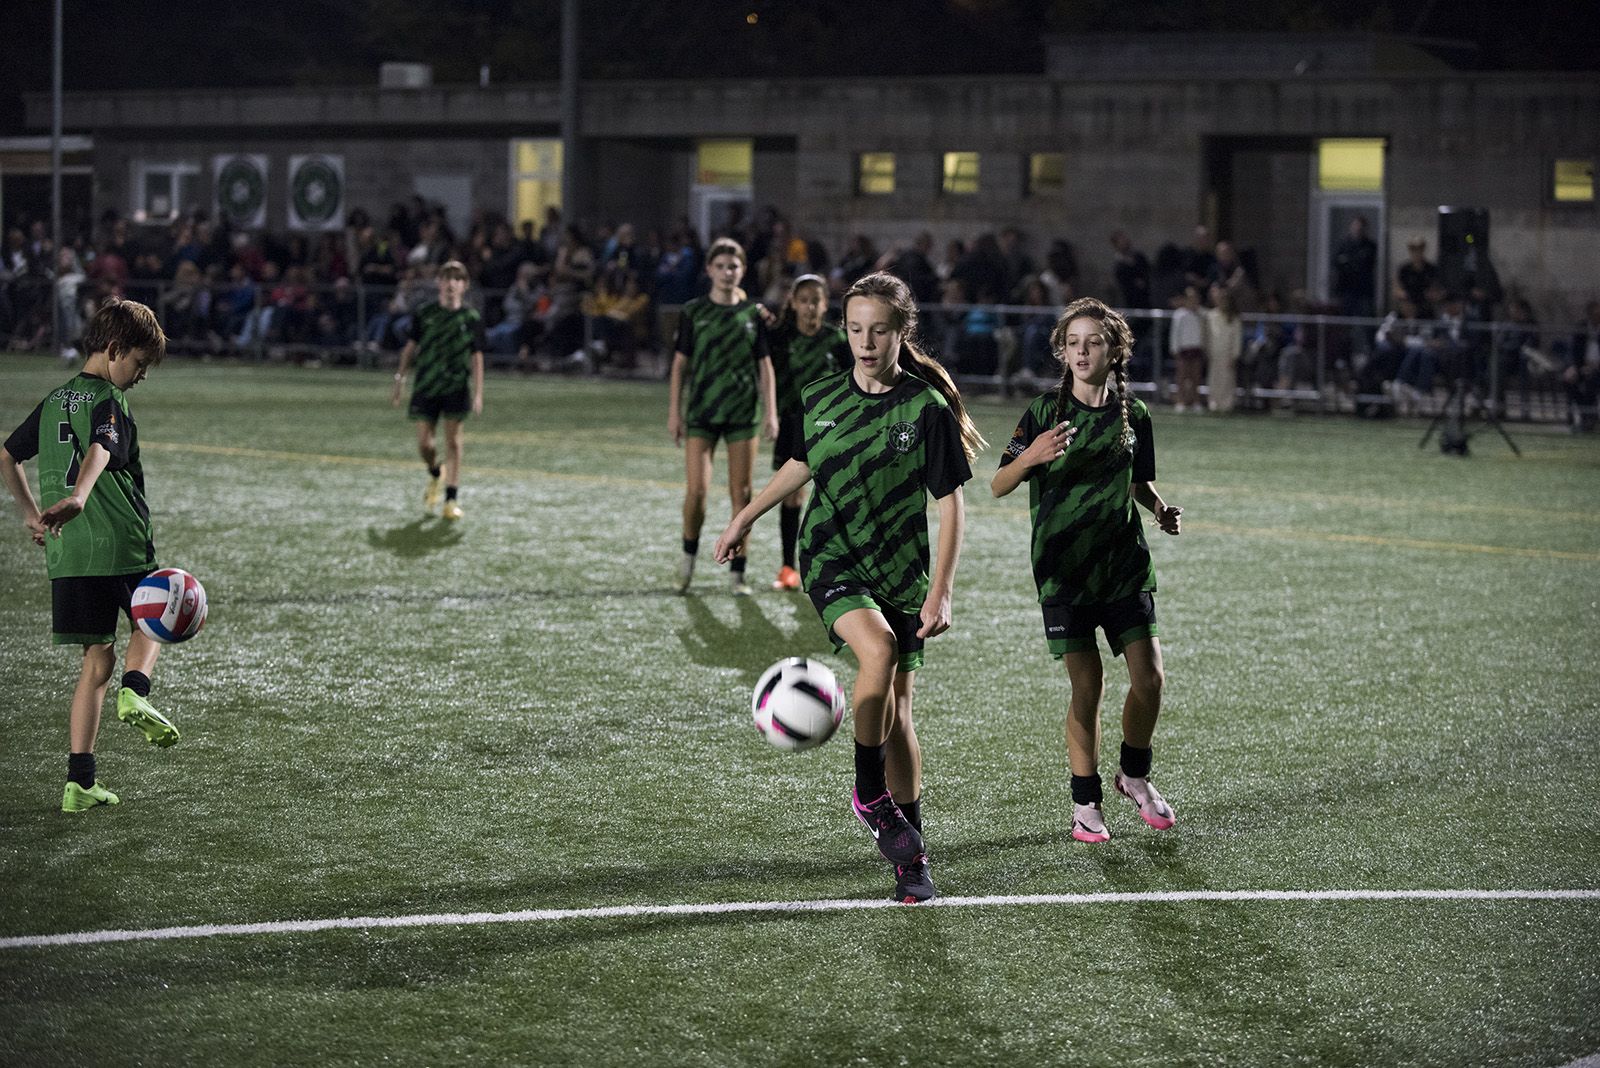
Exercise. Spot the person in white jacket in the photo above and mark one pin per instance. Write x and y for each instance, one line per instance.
(1224, 343)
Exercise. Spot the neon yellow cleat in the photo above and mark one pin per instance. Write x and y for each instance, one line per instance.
(157, 729)
(77, 799)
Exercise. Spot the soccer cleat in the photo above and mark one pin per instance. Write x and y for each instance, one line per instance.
(685, 572)
(897, 840)
(452, 510)
(788, 579)
(77, 799)
(1153, 808)
(740, 587)
(1088, 825)
(157, 729)
(434, 493)
(912, 884)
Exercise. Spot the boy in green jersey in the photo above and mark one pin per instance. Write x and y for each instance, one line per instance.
(720, 372)
(447, 339)
(95, 529)
(1088, 455)
(879, 441)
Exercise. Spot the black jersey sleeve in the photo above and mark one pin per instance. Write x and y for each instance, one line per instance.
(945, 461)
(1027, 429)
(110, 431)
(761, 349)
(414, 331)
(23, 444)
(685, 340)
(1144, 448)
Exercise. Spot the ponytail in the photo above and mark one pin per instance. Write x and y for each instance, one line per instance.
(932, 372)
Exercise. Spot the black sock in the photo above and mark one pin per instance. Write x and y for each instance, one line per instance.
(137, 681)
(789, 530)
(433, 470)
(691, 546)
(1086, 790)
(870, 784)
(450, 492)
(913, 813)
(1136, 762)
(737, 564)
(80, 769)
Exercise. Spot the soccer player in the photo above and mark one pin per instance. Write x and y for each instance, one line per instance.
(1087, 453)
(447, 339)
(878, 440)
(804, 349)
(721, 350)
(95, 529)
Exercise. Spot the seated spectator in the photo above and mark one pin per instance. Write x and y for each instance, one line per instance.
(1416, 276)
(518, 306)
(1582, 373)
(618, 317)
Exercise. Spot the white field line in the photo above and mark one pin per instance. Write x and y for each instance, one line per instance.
(467, 919)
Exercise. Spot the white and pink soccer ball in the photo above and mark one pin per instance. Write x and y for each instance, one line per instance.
(797, 704)
(169, 605)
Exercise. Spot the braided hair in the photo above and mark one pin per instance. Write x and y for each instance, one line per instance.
(1119, 344)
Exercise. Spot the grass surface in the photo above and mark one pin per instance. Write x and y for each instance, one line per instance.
(1382, 674)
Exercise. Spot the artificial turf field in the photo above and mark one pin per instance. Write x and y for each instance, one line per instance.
(1382, 674)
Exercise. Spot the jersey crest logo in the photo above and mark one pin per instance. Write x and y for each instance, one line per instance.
(903, 437)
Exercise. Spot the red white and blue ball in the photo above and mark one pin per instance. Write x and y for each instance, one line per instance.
(797, 704)
(169, 605)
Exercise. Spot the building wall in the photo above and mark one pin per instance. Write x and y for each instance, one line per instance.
(1134, 147)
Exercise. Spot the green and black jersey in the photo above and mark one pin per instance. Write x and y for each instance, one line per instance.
(445, 341)
(112, 536)
(873, 457)
(798, 360)
(1088, 541)
(724, 344)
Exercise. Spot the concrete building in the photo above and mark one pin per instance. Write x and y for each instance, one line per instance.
(1273, 141)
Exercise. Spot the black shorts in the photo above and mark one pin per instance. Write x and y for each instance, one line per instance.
(83, 610)
(449, 405)
(832, 602)
(1069, 628)
(791, 441)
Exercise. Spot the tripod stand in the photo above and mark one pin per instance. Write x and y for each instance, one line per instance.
(1453, 414)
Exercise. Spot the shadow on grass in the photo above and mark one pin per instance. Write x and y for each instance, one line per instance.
(416, 539)
(751, 645)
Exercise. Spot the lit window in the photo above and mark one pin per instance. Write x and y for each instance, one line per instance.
(875, 174)
(724, 163)
(1047, 173)
(1575, 181)
(164, 191)
(1350, 166)
(960, 173)
(535, 179)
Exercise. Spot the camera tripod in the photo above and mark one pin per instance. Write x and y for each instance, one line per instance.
(1454, 437)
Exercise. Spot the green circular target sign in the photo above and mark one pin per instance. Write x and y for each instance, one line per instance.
(318, 191)
(241, 191)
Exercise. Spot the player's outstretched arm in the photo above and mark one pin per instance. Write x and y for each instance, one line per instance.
(16, 480)
(71, 506)
(935, 614)
(790, 477)
(1168, 517)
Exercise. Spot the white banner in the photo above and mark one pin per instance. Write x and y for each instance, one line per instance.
(316, 192)
(240, 182)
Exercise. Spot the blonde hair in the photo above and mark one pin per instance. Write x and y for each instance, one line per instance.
(128, 325)
(903, 317)
(1119, 344)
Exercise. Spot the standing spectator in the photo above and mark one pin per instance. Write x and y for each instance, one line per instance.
(1414, 276)
(1355, 271)
(954, 251)
(1187, 346)
(1018, 265)
(1582, 375)
(1132, 272)
(913, 267)
(1198, 258)
(1060, 274)
(69, 301)
(857, 261)
(982, 269)
(1224, 342)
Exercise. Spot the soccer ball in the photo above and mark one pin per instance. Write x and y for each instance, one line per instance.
(169, 606)
(797, 704)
